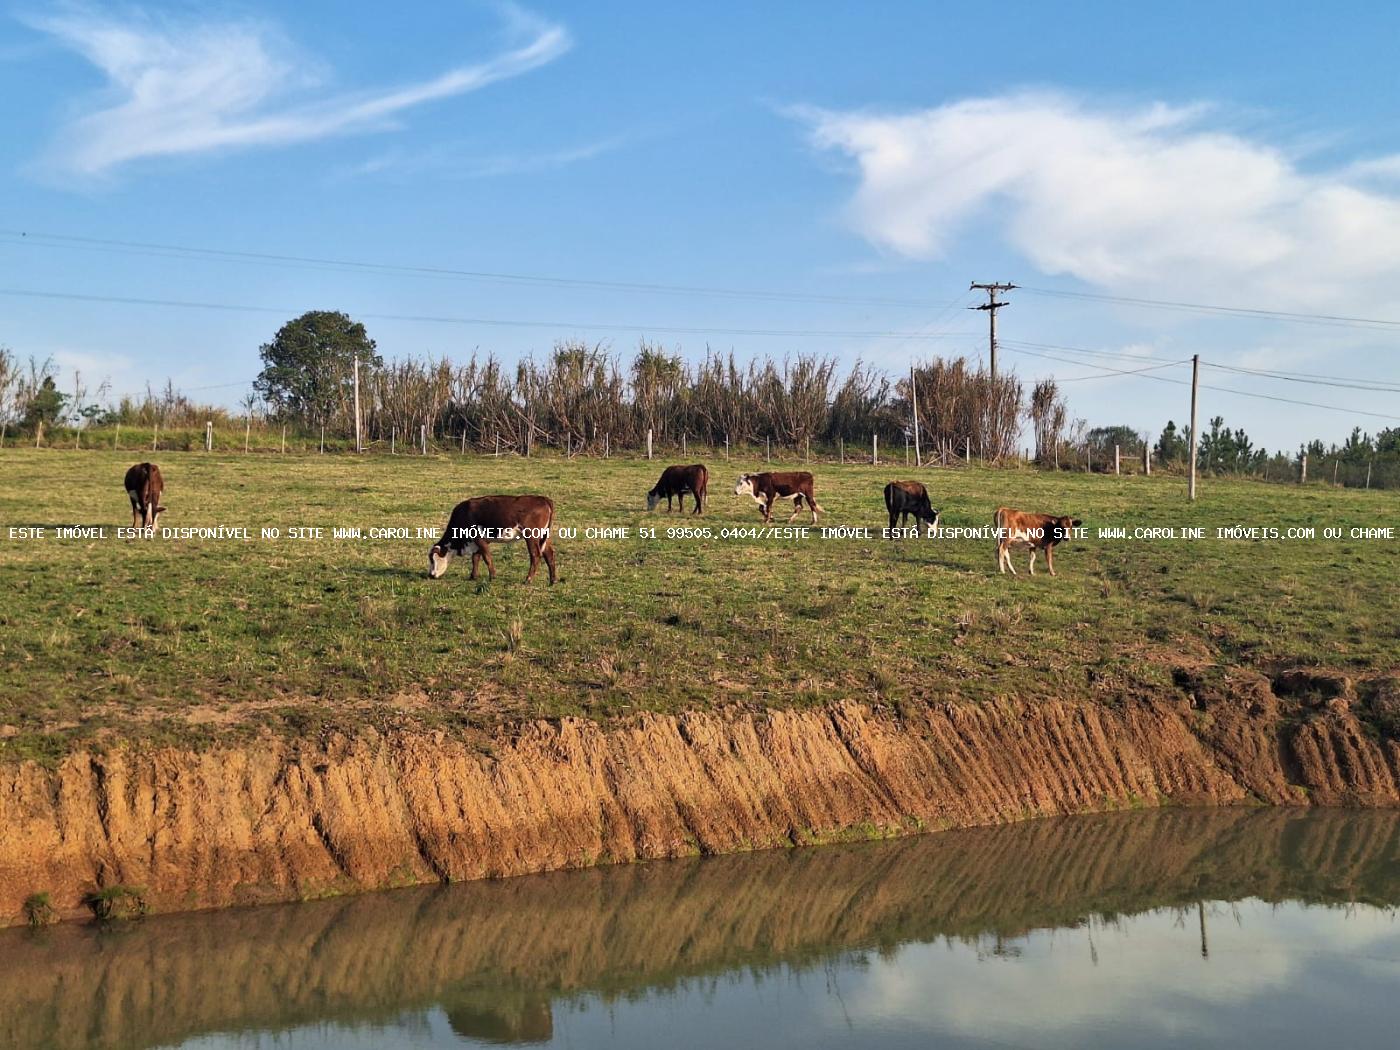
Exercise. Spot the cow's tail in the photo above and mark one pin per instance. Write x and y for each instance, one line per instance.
(704, 486)
(549, 525)
(889, 497)
(999, 518)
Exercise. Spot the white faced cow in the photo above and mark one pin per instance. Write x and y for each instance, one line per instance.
(766, 488)
(477, 523)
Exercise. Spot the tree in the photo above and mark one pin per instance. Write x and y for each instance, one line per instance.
(308, 368)
(45, 405)
(1172, 447)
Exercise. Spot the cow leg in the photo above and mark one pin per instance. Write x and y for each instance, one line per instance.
(768, 510)
(135, 514)
(547, 549)
(486, 557)
(1050, 558)
(476, 561)
(796, 507)
(533, 546)
(1032, 559)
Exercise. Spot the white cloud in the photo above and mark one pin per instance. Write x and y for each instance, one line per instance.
(1152, 199)
(457, 162)
(183, 88)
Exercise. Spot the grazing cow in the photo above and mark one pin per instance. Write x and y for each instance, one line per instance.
(144, 486)
(795, 485)
(1036, 531)
(677, 481)
(477, 523)
(906, 498)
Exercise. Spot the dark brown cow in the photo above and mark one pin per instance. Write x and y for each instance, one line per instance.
(795, 485)
(144, 486)
(904, 499)
(677, 481)
(477, 523)
(1036, 531)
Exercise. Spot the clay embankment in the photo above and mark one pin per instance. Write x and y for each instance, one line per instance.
(284, 820)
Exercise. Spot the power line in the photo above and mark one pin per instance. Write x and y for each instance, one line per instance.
(1105, 373)
(838, 333)
(1310, 380)
(1341, 320)
(55, 240)
(1101, 373)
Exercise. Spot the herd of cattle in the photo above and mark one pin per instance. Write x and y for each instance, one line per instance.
(477, 523)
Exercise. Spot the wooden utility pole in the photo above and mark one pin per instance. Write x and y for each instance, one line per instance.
(1195, 383)
(359, 447)
(992, 305)
(914, 395)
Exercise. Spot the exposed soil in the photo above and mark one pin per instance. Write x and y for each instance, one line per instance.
(283, 820)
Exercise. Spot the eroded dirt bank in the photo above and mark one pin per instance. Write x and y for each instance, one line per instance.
(287, 820)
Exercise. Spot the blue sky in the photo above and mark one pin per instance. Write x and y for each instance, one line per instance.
(1241, 154)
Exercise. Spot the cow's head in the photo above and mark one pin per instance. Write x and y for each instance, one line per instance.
(744, 486)
(438, 558)
(1059, 529)
(930, 518)
(653, 498)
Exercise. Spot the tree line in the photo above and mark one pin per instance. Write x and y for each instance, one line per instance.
(588, 399)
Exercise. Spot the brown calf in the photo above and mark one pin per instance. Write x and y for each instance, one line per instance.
(477, 523)
(795, 485)
(677, 481)
(144, 486)
(1036, 531)
(906, 498)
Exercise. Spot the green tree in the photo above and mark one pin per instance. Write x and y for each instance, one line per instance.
(1172, 446)
(308, 368)
(45, 405)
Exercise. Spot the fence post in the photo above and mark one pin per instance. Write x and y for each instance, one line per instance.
(498, 444)
(768, 448)
(1303, 474)
(874, 449)
(1147, 458)
(1369, 464)
(806, 449)
(423, 436)
(116, 438)
(726, 446)
(1089, 454)
(684, 452)
(247, 431)
(906, 449)
(648, 442)
(39, 433)
(1117, 465)
(1335, 464)
(841, 448)
(155, 434)
(284, 439)
(967, 451)
(464, 440)
(393, 440)
(323, 440)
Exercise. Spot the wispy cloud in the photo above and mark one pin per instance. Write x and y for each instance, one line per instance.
(456, 162)
(180, 87)
(1157, 197)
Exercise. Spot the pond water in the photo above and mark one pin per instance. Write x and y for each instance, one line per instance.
(1208, 928)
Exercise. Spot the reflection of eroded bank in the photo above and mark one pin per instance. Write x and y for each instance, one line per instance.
(495, 955)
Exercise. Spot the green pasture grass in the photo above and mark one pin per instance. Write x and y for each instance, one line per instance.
(193, 641)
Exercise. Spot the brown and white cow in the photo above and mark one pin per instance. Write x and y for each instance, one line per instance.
(144, 486)
(904, 499)
(477, 523)
(768, 487)
(1036, 531)
(677, 481)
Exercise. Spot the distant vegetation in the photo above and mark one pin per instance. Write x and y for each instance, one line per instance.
(586, 399)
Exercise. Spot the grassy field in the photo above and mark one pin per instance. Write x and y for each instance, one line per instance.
(197, 640)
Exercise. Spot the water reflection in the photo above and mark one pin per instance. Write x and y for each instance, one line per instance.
(1145, 927)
